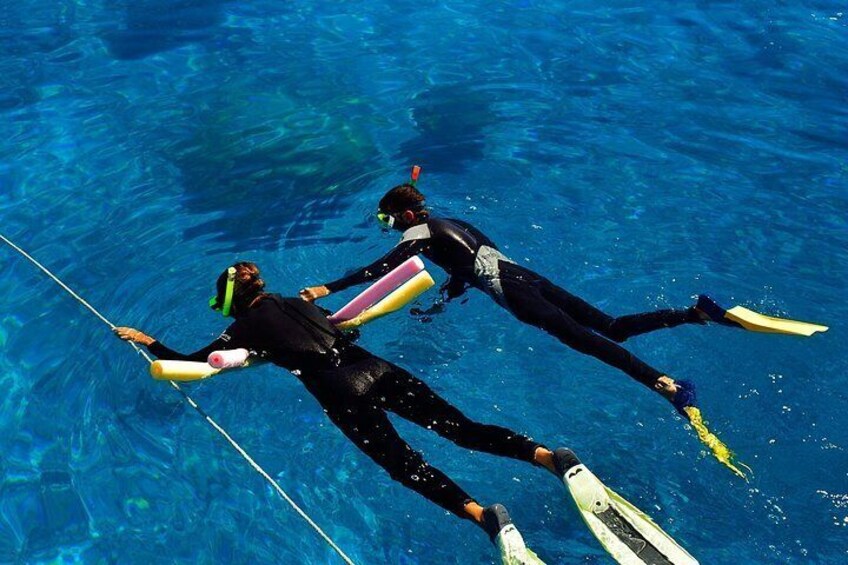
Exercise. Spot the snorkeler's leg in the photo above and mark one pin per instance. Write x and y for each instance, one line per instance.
(411, 398)
(369, 428)
(623, 327)
(529, 305)
(534, 309)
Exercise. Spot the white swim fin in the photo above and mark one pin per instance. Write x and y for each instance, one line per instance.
(507, 538)
(628, 534)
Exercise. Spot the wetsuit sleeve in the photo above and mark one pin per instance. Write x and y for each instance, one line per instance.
(233, 337)
(400, 253)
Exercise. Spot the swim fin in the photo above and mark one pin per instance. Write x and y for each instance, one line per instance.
(506, 537)
(628, 534)
(718, 448)
(741, 317)
(684, 401)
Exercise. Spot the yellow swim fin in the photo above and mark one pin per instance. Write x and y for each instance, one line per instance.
(755, 322)
(685, 401)
(741, 317)
(716, 446)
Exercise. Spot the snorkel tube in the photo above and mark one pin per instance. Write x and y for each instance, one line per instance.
(228, 294)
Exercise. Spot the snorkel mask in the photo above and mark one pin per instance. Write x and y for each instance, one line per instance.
(388, 220)
(228, 294)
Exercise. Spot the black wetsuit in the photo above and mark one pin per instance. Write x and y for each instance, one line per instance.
(472, 259)
(356, 389)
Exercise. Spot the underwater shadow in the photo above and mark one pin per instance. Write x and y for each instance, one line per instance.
(450, 122)
(275, 183)
(154, 26)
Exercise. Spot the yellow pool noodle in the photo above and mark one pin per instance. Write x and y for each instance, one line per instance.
(403, 295)
(181, 370)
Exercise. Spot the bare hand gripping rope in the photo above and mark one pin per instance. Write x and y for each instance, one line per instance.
(194, 405)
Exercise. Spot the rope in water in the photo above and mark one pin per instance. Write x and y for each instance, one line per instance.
(193, 404)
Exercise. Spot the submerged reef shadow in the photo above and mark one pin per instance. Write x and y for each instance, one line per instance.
(270, 168)
(450, 121)
(154, 26)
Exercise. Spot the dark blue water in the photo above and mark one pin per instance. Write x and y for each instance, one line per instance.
(637, 154)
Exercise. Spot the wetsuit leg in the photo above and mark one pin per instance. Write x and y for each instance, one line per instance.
(617, 329)
(530, 305)
(367, 426)
(411, 399)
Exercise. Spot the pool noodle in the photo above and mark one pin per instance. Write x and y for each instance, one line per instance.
(167, 370)
(228, 358)
(391, 293)
(379, 290)
(406, 293)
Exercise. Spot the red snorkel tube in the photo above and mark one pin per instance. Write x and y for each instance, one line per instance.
(413, 178)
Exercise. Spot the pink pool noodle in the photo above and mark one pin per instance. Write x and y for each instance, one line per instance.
(379, 290)
(228, 359)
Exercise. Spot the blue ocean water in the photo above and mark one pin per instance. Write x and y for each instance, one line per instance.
(638, 154)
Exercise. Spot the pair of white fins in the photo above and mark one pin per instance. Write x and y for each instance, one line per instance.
(628, 534)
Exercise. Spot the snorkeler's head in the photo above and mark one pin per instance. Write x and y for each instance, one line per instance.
(402, 207)
(237, 287)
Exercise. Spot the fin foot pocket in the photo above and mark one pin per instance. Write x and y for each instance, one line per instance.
(507, 538)
(685, 397)
(564, 459)
(711, 309)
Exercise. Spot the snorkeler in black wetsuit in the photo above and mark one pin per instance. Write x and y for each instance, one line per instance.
(356, 390)
(473, 260)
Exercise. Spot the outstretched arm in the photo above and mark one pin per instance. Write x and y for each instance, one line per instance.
(226, 340)
(400, 253)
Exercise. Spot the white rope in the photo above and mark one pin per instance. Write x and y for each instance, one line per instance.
(197, 407)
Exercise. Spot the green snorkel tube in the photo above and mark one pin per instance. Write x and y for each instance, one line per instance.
(387, 220)
(228, 294)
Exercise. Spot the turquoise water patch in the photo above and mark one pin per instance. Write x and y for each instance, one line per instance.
(638, 155)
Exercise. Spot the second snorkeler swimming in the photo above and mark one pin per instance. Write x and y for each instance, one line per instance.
(472, 260)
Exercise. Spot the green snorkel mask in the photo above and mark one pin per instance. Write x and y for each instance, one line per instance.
(228, 294)
(388, 220)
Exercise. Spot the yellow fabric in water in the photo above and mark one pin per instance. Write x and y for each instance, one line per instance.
(405, 293)
(718, 448)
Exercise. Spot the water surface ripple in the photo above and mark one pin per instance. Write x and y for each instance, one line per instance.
(638, 154)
